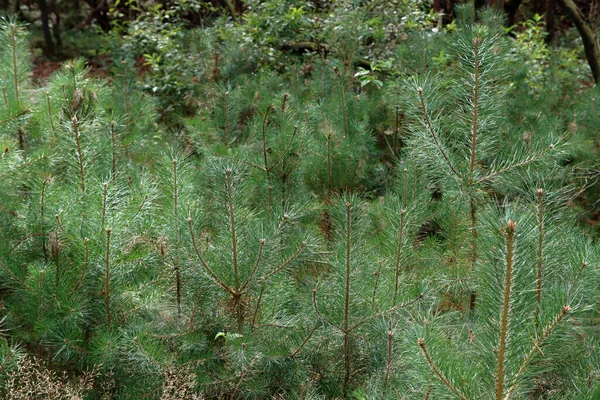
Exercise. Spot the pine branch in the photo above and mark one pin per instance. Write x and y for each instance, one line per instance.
(14, 117)
(12, 275)
(321, 316)
(439, 373)
(306, 339)
(382, 313)
(285, 263)
(526, 161)
(534, 349)
(204, 264)
(285, 151)
(256, 263)
(434, 135)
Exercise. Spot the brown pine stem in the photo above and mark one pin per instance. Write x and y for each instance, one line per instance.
(286, 262)
(12, 274)
(284, 100)
(192, 320)
(209, 270)
(146, 354)
(6, 359)
(40, 293)
(14, 117)
(473, 157)
(75, 123)
(257, 308)
(404, 192)
(399, 247)
(377, 275)
(231, 211)
(474, 249)
(321, 316)
(343, 99)
(107, 279)
(86, 258)
(510, 236)
(269, 202)
(113, 138)
(104, 202)
(388, 367)
(42, 202)
(13, 40)
(535, 348)
(264, 139)
(227, 124)
(389, 310)
(50, 113)
(176, 221)
(433, 134)
(256, 264)
(540, 255)
(306, 339)
(329, 164)
(439, 373)
(396, 131)
(427, 394)
(347, 299)
(285, 151)
(238, 306)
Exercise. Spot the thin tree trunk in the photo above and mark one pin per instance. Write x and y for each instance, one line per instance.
(46, 27)
(550, 21)
(510, 8)
(56, 25)
(588, 36)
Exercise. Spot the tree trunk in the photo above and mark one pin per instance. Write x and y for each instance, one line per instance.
(510, 8)
(56, 25)
(588, 36)
(46, 27)
(550, 21)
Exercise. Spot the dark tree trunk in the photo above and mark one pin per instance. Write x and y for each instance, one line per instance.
(588, 36)
(56, 25)
(550, 21)
(46, 27)
(510, 8)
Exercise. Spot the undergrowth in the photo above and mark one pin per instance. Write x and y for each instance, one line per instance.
(306, 231)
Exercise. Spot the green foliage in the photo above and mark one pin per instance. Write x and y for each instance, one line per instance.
(231, 221)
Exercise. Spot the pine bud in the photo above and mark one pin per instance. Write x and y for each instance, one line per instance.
(510, 226)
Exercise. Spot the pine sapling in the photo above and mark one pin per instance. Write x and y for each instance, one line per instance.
(106, 290)
(540, 254)
(505, 314)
